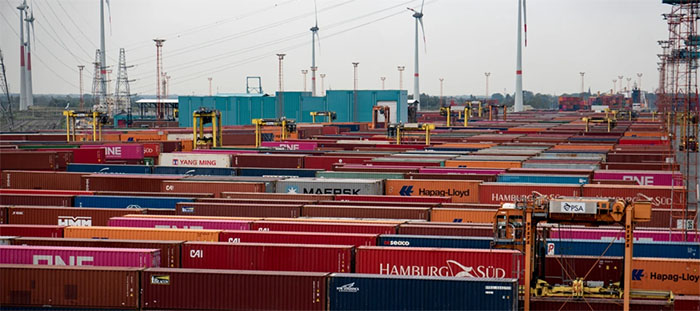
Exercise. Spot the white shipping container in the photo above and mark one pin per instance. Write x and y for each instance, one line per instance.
(334, 186)
(182, 136)
(195, 159)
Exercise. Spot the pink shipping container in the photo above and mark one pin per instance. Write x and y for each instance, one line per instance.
(120, 151)
(611, 234)
(323, 227)
(289, 237)
(419, 261)
(79, 256)
(644, 178)
(297, 145)
(430, 170)
(263, 256)
(179, 223)
(32, 231)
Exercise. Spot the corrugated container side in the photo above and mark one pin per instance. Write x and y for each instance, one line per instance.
(459, 190)
(53, 180)
(497, 193)
(129, 202)
(69, 287)
(365, 212)
(393, 198)
(211, 187)
(276, 196)
(443, 230)
(32, 230)
(135, 183)
(289, 237)
(662, 197)
(36, 199)
(462, 215)
(677, 275)
(238, 210)
(323, 227)
(188, 289)
(79, 256)
(65, 216)
(331, 186)
(267, 256)
(141, 234)
(179, 223)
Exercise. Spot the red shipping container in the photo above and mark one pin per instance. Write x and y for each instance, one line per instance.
(169, 250)
(190, 289)
(155, 194)
(32, 231)
(326, 162)
(91, 156)
(265, 256)
(268, 160)
(151, 150)
(276, 196)
(393, 198)
(497, 193)
(170, 223)
(256, 201)
(289, 237)
(323, 227)
(65, 216)
(419, 261)
(53, 180)
(383, 212)
(237, 210)
(210, 187)
(30, 192)
(36, 199)
(124, 182)
(28, 160)
(79, 256)
(661, 196)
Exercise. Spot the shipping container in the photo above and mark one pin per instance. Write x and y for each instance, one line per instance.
(169, 250)
(393, 198)
(267, 256)
(141, 234)
(434, 241)
(382, 212)
(69, 287)
(462, 215)
(205, 160)
(268, 161)
(358, 175)
(458, 190)
(595, 270)
(619, 234)
(154, 194)
(238, 210)
(330, 186)
(194, 171)
(210, 187)
(329, 226)
(53, 180)
(277, 172)
(110, 168)
(194, 289)
(418, 261)
(679, 250)
(598, 304)
(679, 276)
(374, 292)
(171, 223)
(130, 182)
(79, 256)
(28, 160)
(120, 151)
(276, 196)
(32, 230)
(36, 199)
(662, 197)
(543, 179)
(643, 178)
(290, 237)
(446, 229)
(128, 202)
(65, 216)
(498, 193)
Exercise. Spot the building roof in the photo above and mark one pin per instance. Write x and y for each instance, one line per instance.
(155, 101)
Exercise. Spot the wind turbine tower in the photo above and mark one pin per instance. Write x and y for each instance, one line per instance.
(29, 18)
(22, 70)
(522, 14)
(418, 15)
(103, 62)
(314, 35)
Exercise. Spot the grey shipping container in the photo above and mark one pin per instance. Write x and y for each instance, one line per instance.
(379, 292)
(330, 186)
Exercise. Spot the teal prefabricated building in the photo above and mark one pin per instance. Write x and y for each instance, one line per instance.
(240, 109)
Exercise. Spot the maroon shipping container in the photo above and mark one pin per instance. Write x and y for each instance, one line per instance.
(667, 218)
(497, 193)
(635, 157)
(237, 210)
(563, 269)
(169, 250)
(36, 199)
(124, 182)
(419, 261)
(326, 162)
(485, 178)
(257, 201)
(376, 169)
(446, 230)
(381, 212)
(651, 166)
(379, 203)
(69, 287)
(211, 187)
(28, 160)
(52, 180)
(65, 216)
(268, 160)
(276, 196)
(89, 155)
(471, 205)
(550, 171)
(32, 231)
(267, 256)
(323, 227)
(661, 196)
(393, 198)
(599, 304)
(190, 289)
(290, 237)
(156, 194)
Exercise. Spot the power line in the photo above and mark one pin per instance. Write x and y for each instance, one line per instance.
(70, 33)
(70, 18)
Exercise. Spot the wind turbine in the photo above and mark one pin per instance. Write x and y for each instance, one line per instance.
(314, 35)
(23, 68)
(30, 23)
(418, 15)
(522, 14)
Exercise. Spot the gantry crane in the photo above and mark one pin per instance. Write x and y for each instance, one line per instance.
(287, 126)
(202, 117)
(96, 120)
(376, 111)
(331, 116)
(515, 227)
(397, 130)
(610, 121)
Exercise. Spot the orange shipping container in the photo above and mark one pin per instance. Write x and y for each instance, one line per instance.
(461, 191)
(681, 276)
(210, 187)
(464, 215)
(121, 233)
(482, 164)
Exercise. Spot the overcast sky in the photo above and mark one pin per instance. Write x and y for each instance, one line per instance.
(231, 39)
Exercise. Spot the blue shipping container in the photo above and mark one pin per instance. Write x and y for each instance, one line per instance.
(543, 179)
(194, 171)
(109, 168)
(108, 201)
(383, 292)
(261, 171)
(433, 241)
(681, 250)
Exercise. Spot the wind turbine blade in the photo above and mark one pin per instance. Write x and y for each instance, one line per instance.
(525, 20)
(421, 6)
(423, 31)
(315, 13)
(412, 10)
(109, 12)
(318, 39)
